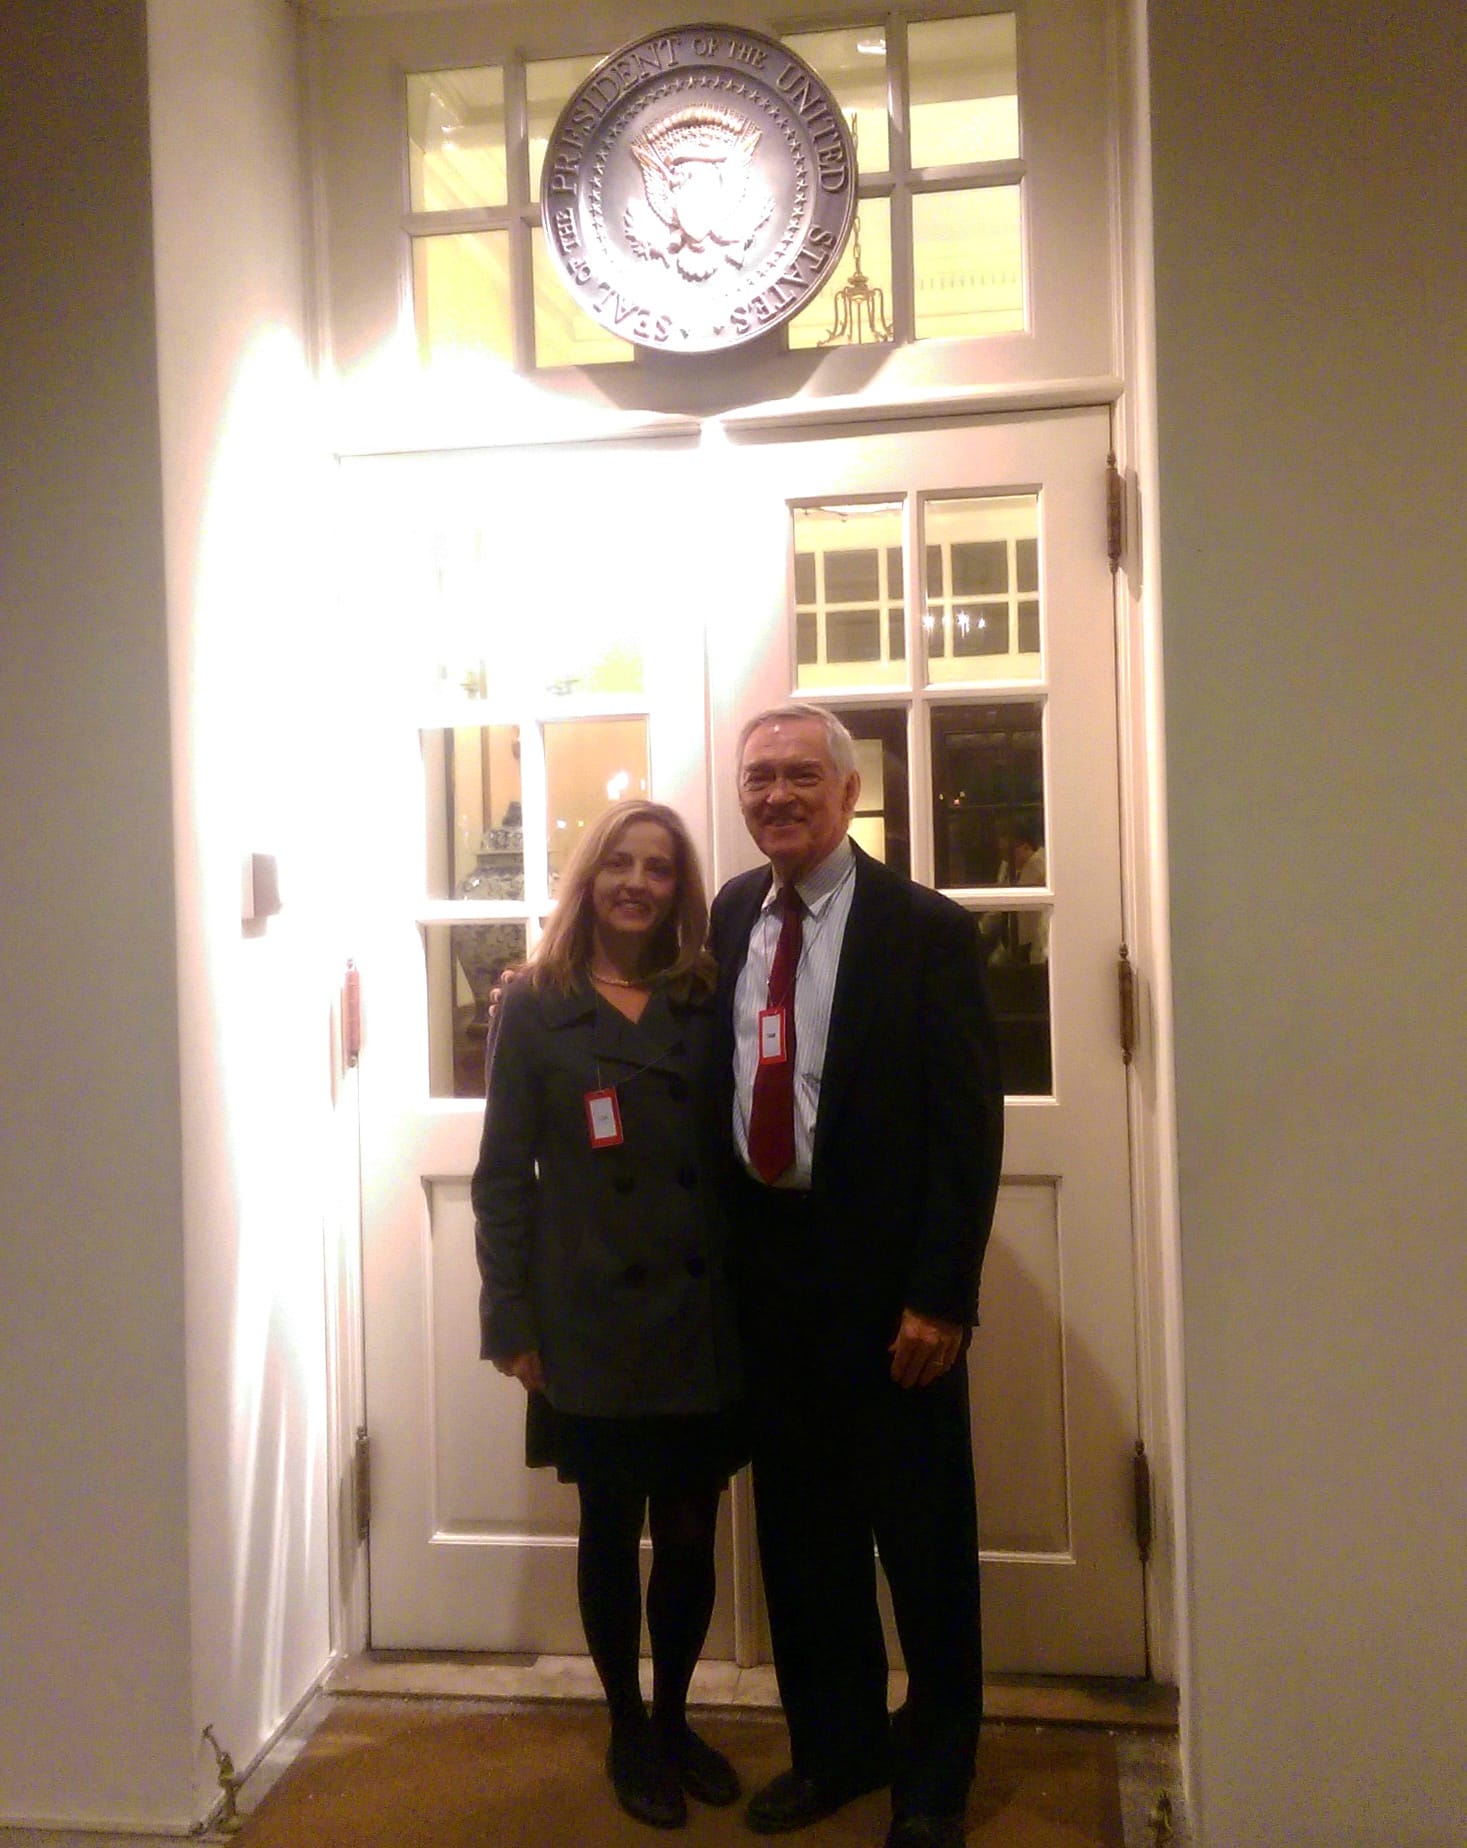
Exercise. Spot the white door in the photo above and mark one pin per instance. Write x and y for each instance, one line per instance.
(533, 649)
(947, 588)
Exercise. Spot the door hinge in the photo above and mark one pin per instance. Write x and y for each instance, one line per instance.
(361, 1483)
(1115, 512)
(351, 1014)
(1126, 987)
(1141, 1490)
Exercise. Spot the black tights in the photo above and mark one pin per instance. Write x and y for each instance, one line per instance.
(679, 1594)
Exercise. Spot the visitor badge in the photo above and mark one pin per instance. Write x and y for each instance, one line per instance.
(603, 1117)
(773, 1044)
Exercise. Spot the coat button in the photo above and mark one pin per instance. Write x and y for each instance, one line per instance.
(635, 1274)
(677, 1088)
(623, 1183)
(697, 1266)
(687, 1175)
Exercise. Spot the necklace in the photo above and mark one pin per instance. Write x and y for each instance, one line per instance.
(618, 981)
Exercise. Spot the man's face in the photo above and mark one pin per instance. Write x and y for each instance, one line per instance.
(796, 804)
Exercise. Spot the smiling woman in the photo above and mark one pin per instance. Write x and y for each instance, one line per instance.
(599, 1236)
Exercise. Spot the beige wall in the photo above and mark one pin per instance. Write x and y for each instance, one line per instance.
(1310, 194)
(93, 1464)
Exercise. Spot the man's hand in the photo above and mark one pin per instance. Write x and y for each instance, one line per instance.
(525, 1368)
(924, 1349)
(497, 992)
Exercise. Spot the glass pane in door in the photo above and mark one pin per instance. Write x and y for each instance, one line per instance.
(589, 764)
(981, 620)
(988, 794)
(1018, 993)
(464, 962)
(850, 606)
(476, 842)
(880, 823)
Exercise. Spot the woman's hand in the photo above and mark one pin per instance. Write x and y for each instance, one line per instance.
(525, 1368)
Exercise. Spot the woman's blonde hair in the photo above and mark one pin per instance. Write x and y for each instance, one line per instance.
(678, 958)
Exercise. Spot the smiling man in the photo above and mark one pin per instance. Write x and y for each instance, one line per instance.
(867, 1117)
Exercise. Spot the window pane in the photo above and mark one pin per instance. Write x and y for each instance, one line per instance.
(851, 577)
(981, 552)
(853, 64)
(968, 262)
(980, 566)
(456, 140)
(548, 85)
(589, 764)
(988, 794)
(863, 315)
(880, 823)
(853, 635)
(980, 628)
(476, 845)
(850, 619)
(464, 963)
(461, 294)
(1018, 993)
(565, 335)
(964, 90)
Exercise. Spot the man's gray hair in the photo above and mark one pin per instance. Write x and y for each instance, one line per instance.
(838, 741)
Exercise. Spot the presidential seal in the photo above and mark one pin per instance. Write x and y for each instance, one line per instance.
(698, 188)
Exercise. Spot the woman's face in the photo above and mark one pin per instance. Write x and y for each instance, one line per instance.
(635, 886)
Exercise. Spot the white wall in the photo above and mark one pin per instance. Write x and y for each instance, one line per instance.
(167, 1207)
(261, 757)
(94, 1605)
(1310, 194)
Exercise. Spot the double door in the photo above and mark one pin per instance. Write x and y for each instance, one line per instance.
(556, 627)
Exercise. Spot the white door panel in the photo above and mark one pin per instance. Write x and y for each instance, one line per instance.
(499, 572)
(1053, 1364)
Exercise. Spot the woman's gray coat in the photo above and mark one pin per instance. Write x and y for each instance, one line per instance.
(608, 1261)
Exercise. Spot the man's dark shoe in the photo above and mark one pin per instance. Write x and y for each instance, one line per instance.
(645, 1783)
(703, 1772)
(921, 1831)
(794, 1801)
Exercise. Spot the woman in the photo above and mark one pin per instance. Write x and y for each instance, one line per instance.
(600, 1250)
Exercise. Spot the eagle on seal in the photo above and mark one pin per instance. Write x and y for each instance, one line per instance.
(703, 202)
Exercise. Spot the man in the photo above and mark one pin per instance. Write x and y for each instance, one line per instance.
(857, 1027)
(1031, 869)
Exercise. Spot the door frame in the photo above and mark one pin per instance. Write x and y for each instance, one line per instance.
(1147, 1083)
(1131, 391)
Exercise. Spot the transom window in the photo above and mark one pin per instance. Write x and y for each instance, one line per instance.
(937, 251)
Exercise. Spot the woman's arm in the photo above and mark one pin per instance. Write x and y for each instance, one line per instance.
(504, 1189)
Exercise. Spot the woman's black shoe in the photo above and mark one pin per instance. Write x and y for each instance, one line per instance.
(645, 1782)
(705, 1773)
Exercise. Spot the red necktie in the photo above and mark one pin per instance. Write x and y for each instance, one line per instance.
(772, 1110)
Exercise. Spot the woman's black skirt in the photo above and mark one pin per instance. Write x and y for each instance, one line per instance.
(656, 1453)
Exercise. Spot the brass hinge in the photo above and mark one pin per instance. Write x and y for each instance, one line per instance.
(1126, 985)
(361, 1483)
(1141, 1489)
(1115, 512)
(351, 1014)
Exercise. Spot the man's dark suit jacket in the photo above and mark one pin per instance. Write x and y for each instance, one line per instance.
(909, 1132)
